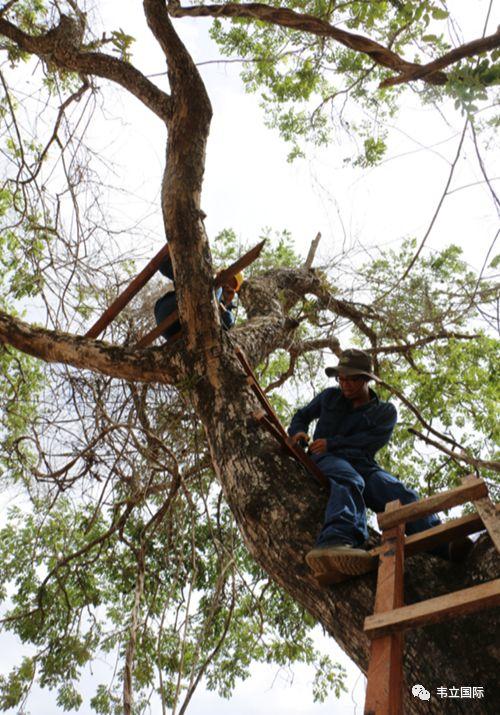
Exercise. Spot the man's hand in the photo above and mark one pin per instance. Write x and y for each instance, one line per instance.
(299, 437)
(318, 446)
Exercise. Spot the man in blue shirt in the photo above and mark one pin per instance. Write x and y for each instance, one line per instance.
(353, 424)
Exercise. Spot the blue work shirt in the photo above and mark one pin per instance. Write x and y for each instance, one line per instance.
(349, 431)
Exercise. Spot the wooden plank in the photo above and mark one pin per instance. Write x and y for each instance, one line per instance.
(245, 260)
(126, 296)
(274, 420)
(261, 396)
(488, 513)
(384, 691)
(156, 332)
(435, 610)
(490, 516)
(441, 534)
(438, 502)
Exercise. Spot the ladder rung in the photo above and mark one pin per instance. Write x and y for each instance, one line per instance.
(156, 332)
(441, 534)
(126, 296)
(434, 610)
(437, 502)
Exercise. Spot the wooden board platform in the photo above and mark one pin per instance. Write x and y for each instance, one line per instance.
(445, 500)
(435, 610)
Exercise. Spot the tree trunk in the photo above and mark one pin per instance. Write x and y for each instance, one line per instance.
(278, 508)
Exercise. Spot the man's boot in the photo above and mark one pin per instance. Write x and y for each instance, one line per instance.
(343, 558)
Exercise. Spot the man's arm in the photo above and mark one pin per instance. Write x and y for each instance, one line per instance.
(371, 439)
(303, 417)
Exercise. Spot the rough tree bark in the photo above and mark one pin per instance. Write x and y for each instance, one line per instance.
(278, 507)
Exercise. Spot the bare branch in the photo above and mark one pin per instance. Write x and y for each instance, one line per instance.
(418, 415)
(300, 349)
(433, 219)
(461, 456)
(407, 347)
(312, 251)
(74, 97)
(59, 47)
(487, 179)
(128, 696)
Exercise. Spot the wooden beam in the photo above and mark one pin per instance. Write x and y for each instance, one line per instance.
(126, 296)
(384, 691)
(245, 260)
(262, 398)
(262, 417)
(271, 420)
(441, 534)
(489, 514)
(219, 280)
(438, 502)
(156, 332)
(435, 610)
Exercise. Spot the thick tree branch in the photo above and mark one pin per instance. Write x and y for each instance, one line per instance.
(182, 71)
(152, 365)
(312, 251)
(188, 129)
(470, 49)
(408, 71)
(60, 47)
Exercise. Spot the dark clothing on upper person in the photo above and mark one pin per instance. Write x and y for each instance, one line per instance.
(357, 431)
(167, 304)
(166, 268)
(164, 307)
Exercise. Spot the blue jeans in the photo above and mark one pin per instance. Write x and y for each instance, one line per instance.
(355, 485)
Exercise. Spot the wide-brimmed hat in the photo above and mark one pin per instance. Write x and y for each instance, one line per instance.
(352, 362)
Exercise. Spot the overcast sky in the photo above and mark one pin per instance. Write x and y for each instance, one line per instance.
(249, 186)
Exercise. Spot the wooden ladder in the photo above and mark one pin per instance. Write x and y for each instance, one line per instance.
(145, 275)
(268, 419)
(384, 693)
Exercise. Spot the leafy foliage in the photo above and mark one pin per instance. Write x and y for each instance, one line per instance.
(125, 548)
(305, 81)
(450, 379)
(205, 609)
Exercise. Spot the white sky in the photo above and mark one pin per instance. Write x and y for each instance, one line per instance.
(248, 186)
